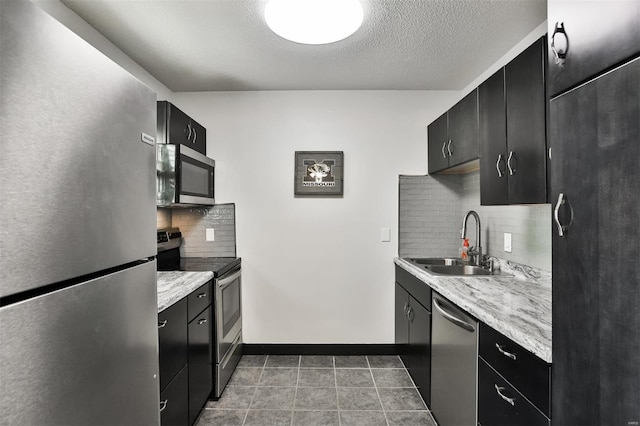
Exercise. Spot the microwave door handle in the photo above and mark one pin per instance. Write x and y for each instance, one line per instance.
(228, 280)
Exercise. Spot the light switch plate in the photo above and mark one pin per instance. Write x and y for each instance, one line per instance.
(507, 242)
(385, 235)
(211, 235)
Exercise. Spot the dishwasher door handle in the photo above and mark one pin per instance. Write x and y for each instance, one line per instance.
(457, 321)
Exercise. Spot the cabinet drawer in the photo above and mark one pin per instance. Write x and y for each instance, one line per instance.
(528, 373)
(419, 290)
(499, 404)
(172, 340)
(198, 300)
(174, 402)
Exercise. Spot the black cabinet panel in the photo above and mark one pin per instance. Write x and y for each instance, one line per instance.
(594, 133)
(437, 144)
(500, 404)
(200, 358)
(512, 127)
(413, 329)
(420, 348)
(402, 323)
(526, 125)
(600, 34)
(176, 127)
(525, 371)
(493, 141)
(174, 401)
(172, 337)
(463, 130)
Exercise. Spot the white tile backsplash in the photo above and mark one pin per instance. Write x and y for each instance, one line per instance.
(431, 211)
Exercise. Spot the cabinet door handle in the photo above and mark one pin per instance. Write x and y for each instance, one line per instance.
(187, 130)
(512, 170)
(195, 135)
(562, 200)
(444, 145)
(410, 314)
(560, 51)
(499, 389)
(201, 295)
(202, 321)
(162, 324)
(498, 165)
(450, 147)
(505, 353)
(163, 405)
(406, 307)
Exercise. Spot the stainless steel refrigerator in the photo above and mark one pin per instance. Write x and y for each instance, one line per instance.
(78, 309)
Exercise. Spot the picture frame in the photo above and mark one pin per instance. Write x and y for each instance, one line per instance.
(319, 173)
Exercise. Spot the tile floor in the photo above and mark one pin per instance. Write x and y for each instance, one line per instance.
(318, 390)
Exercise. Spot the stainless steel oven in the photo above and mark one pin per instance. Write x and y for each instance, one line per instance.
(228, 315)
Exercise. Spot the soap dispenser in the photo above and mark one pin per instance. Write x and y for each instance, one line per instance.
(464, 251)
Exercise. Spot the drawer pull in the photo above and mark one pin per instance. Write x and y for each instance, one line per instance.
(202, 321)
(505, 353)
(506, 398)
(201, 295)
(162, 324)
(163, 405)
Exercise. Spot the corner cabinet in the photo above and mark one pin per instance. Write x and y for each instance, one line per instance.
(413, 329)
(453, 137)
(512, 127)
(589, 37)
(176, 127)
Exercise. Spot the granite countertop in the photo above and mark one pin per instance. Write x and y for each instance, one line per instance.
(517, 306)
(174, 285)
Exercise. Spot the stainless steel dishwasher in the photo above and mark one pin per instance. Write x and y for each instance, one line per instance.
(454, 364)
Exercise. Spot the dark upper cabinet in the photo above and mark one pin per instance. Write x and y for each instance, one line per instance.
(512, 128)
(453, 137)
(595, 176)
(176, 127)
(438, 139)
(600, 34)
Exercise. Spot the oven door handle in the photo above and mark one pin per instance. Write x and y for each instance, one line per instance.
(226, 280)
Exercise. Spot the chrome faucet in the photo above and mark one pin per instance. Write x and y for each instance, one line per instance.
(475, 252)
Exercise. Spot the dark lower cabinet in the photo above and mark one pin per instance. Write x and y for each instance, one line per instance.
(595, 183)
(599, 35)
(186, 357)
(413, 329)
(200, 367)
(174, 400)
(500, 404)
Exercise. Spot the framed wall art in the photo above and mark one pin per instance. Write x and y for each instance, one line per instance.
(319, 173)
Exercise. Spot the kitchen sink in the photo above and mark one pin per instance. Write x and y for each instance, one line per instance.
(457, 270)
(435, 261)
(447, 266)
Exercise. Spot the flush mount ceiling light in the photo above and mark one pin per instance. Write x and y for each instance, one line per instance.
(314, 21)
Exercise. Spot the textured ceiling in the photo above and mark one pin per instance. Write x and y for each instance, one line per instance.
(214, 45)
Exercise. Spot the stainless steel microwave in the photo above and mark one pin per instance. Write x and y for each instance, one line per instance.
(184, 177)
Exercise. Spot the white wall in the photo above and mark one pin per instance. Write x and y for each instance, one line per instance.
(315, 270)
(78, 25)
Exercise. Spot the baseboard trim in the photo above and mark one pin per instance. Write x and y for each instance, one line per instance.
(319, 349)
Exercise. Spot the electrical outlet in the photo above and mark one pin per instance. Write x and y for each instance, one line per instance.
(211, 235)
(507, 242)
(385, 235)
